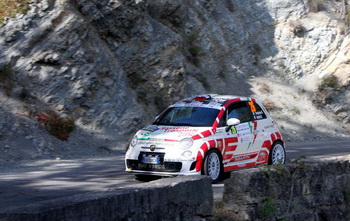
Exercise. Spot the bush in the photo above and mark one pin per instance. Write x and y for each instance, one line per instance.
(194, 50)
(329, 82)
(6, 78)
(5, 73)
(56, 126)
(9, 8)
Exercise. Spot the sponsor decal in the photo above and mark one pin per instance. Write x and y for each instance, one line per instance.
(219, 142)
(151, 166)
(157, 141)
(151, 128)
(243, 157)
(185, 131)
(233, 130)
(269, 126)
(192, 103)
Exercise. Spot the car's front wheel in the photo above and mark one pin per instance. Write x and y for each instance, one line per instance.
(277, 153)
(213, 166)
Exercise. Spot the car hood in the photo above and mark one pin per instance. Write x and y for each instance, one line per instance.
(175, 133)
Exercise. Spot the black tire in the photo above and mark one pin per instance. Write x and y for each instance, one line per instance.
(212, 166)
(277, 154)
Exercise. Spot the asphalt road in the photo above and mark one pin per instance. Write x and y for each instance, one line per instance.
(51, 179)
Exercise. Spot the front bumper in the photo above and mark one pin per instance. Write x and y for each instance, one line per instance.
(163, 169)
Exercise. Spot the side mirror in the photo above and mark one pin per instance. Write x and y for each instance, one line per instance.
(232, 122)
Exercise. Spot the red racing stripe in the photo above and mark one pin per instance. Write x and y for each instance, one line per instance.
(199, 161)
(205, 147)
(196, 137)
(267, 144)
(207, 133)
(273, 138)
(279, 137)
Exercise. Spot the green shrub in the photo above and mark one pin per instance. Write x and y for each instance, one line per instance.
(268, 207)
(221, 214)
(329, 82)
(6, 78)
(194, 50)
(9, 8)
(5, 73)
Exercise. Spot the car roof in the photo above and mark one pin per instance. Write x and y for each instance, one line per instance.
(208, 100)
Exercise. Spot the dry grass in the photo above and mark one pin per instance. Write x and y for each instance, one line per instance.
(269, 105)
(9, 8)
(265, 89)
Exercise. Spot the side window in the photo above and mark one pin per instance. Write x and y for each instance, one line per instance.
(241, 111)
(222, 122)
(259, 113)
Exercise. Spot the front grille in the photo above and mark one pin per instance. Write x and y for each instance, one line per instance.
(163, 167)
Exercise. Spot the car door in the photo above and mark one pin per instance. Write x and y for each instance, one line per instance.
(239, 151)
(263, 126)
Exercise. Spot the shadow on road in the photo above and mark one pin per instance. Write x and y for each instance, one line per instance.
(51, 179)
(318, 149)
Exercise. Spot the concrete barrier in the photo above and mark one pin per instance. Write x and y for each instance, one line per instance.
(179, 198)
(298, 191)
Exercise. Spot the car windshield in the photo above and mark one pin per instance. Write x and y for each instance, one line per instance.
(188, 116)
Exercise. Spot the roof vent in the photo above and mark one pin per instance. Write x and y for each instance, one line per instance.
(202, 98)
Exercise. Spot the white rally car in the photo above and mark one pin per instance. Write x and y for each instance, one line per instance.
(207, 134)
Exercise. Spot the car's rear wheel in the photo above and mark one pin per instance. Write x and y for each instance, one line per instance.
(213, 166)
(277, 153)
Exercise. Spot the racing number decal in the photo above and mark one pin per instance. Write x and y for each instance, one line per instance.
(252, 106)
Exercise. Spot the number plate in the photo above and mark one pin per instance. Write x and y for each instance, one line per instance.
(150, 159)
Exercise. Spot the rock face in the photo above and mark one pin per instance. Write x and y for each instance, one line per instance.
(114, 65)
(302, 191)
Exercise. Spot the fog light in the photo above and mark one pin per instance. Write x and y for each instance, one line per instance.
(186, 154)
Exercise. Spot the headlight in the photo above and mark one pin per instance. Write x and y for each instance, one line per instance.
(133, 141)
(186, 143)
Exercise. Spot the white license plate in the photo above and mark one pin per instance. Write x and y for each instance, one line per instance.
(150, 159)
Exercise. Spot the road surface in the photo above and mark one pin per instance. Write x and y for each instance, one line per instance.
(49, 179)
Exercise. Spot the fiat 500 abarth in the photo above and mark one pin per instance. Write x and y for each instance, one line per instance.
(209, 135)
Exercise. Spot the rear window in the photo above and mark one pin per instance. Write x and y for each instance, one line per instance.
(259, 113)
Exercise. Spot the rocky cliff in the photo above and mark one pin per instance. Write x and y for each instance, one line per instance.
(113, 65)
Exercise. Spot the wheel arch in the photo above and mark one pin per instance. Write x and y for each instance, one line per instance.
(277, 141)
(276, 137)
(272, 149)
(206, 154)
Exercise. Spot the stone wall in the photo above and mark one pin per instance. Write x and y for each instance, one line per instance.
(180, 198)
(299, 191)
